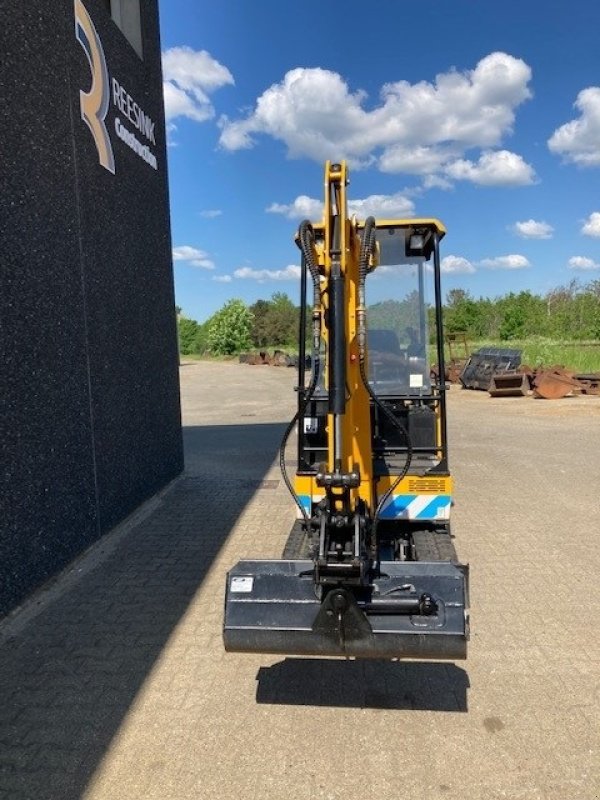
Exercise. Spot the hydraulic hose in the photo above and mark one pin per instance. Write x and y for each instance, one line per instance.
(367, 249)
(306, 238)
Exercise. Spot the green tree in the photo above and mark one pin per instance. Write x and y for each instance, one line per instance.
(522, 315)
(201, 339)
(559, 322)
(463, 313)
(457, 296)
(260, 323)
(384, 315)
(229, 330)
(275, 321)
(282, 320)
(513, 324)
(188, 331)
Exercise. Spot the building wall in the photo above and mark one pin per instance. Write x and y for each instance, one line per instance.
(89, 418)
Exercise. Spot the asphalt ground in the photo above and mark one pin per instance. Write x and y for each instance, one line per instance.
(114, 683)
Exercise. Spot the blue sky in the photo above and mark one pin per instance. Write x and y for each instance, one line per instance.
(483, 114)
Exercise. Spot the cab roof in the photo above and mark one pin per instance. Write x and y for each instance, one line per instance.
(416, 222)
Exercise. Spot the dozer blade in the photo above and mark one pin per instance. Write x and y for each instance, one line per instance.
(415, 610)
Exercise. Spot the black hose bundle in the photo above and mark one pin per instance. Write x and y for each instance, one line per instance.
(306, 237)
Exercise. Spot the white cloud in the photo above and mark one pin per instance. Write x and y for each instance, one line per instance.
(494, 168)
(583, 263)
(416, 128)
(291, 272)
(302, 207)
(190, 76)
(505, 262)
(193, 256)
(456, 265)
(578, 141)
(171, 128)
(378, 205)
(530, 229)
(179, 104)
(396, 270)
(222, 278)
(416, 160)
(211, 213)
(382, 205)
(591, 227)
(436, 182)
(186, 253)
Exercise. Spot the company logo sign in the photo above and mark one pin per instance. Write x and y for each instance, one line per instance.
(141, 121)
(96, 103)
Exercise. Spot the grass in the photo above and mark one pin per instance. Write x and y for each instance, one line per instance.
(207, 357)
(537, 351)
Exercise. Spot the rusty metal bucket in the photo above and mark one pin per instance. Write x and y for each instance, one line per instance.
(513, 384)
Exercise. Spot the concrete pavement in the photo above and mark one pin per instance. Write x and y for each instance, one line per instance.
(116, 685)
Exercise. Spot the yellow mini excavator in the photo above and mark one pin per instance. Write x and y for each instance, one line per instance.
(369, 569)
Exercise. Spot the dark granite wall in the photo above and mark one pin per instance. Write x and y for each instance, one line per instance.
(89, 396)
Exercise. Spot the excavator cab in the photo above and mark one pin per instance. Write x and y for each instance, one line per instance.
(398, 326)
(369, 569)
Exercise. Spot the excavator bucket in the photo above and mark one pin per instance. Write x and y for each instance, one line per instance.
(412, 610)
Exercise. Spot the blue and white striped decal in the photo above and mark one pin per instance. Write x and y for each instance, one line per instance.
(307, 501)
(403, 506)
(417, 506)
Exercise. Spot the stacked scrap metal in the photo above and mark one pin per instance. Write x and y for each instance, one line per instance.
(556, 382)
(254, 358)
(497, 370)
(458, 355)
(458, 350)
(486, 363)
(589, 382)
(548, 383)
(553, 383)
(278, 359)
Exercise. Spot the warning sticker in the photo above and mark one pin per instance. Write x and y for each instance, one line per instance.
(416, 381)
(241, 584)
(311, 425)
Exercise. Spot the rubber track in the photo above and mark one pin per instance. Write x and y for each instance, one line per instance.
(297, 544)
(433, 546)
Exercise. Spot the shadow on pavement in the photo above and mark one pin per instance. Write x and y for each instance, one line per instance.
(70, 675)
(421, 686)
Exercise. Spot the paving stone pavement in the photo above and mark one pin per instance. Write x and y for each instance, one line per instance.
(116, 685)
